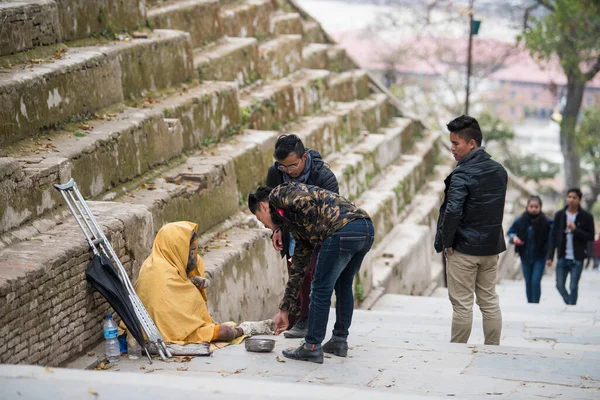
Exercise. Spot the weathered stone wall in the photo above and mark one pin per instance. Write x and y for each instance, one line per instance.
(28, 24)
(48, 312)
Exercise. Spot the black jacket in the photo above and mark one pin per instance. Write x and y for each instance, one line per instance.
(320, 175)
(471, 215)
(584, 233)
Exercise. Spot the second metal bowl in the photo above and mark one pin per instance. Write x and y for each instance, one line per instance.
(260, 345)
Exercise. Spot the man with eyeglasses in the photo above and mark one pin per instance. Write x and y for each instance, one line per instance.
(295, 163)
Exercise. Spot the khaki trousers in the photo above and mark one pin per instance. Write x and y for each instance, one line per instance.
(468, 275)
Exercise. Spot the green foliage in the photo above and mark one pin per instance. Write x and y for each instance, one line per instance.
(531, 167)
(79, 134)
(571, 30)
(494, 129)
(588, 138)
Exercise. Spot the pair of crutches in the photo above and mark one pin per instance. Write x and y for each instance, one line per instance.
(101, 246)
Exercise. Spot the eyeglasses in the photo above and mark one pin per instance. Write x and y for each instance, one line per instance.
(291, 167)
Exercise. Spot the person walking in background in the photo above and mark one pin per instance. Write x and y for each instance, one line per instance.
(530, 234)
(596, 248)
(573, 229)
(295, 163)
(469, 231)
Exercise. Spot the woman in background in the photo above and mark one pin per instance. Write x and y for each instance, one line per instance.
(530, 234)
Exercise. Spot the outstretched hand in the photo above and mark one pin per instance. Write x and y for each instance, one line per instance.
(200, 282)
(281, 321)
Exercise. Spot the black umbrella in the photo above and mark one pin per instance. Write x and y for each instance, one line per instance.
(101, 275)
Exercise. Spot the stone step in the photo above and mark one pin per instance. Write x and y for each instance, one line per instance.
(390, 195)
(48, 313)
(241, 261)
(349, 86)
(280, 57)
(82, 19)
(332, 129)
(404, 262)
(284, 23)
(273, 104)
(201, 189)
(88, 79)
(312, 32)
(365, 161)
(338, 59)
(315, 56)
(200, 18)
(113, 150)
(28, 25)
(229, 59)
(250, 18)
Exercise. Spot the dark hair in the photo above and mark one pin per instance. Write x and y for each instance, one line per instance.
(287, 144)
(261, 194)
(194, 237)
(535, 198)
(467, 128)
(577, 191)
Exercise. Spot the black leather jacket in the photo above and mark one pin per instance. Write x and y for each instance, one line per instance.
(471, 215)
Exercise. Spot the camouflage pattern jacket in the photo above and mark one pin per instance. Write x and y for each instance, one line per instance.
(311, 214)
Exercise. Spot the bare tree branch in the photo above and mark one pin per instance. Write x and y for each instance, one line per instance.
(593, 71)
(546, 4)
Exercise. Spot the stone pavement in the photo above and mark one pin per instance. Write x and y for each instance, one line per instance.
(398, 348)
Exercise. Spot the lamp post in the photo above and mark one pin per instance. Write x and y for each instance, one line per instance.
(473, 30)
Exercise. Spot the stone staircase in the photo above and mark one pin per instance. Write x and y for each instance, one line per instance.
(177, 121)
(398, 349)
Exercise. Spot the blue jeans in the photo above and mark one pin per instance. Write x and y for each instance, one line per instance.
(533, 271)
(565, 267)
(339, 260)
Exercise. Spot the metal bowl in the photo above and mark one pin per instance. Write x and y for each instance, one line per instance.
(260, 345)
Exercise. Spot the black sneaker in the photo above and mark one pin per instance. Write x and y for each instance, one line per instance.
(304, 353)
(299, 330)
(338, 347)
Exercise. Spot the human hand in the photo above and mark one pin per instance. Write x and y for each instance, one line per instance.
(571, 226)
(449, 251)
(548, 263)
(281, 321)
(518, 241)
(200, 282)
(277, 240)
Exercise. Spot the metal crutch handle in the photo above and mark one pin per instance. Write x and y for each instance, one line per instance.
(65, 186)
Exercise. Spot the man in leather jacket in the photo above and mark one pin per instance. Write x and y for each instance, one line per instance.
(469, 231)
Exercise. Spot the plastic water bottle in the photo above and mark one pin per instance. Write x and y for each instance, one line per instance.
(111, 346)
(134, 350)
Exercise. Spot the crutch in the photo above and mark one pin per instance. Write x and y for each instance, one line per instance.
(99, 244)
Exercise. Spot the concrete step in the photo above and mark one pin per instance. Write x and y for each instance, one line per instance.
(200, 18)
(273, 104)
(229, 59)
(338, 59)
(28, 25)
(284, 23)
(112, 150)
(48, 313)
(250, 18)
(365, 161)
(280, 57)
(328, 131)
(389, 354)
(349, 86)
(88, 79)
(315, 56)
(312, 32)
(388, 196)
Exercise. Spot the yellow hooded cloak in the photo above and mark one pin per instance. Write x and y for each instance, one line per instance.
(177, 307)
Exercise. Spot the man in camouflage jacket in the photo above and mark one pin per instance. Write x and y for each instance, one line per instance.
(317, 217)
